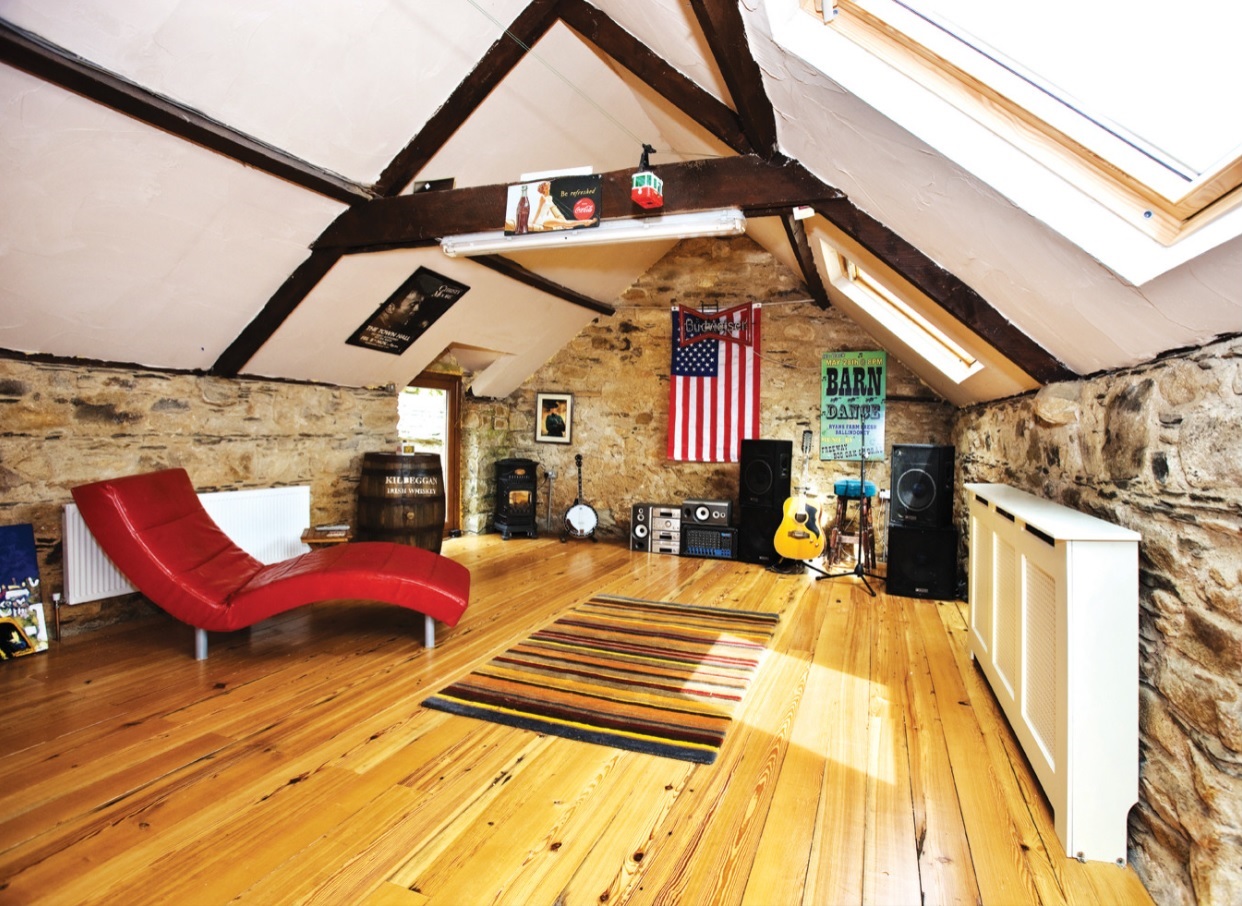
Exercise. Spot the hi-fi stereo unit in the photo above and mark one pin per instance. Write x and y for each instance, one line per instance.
(665, 517)
(707, 512)
(666, 543)
(655, 527)
(717, 542)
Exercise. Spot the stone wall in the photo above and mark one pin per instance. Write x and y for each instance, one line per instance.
(1157, 449)
(618, 371)
(67, 424)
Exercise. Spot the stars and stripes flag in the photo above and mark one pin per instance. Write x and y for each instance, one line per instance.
(713, 398)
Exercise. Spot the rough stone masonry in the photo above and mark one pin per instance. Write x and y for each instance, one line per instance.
(1157, 449)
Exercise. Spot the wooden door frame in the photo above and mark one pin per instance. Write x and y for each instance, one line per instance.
(451, 385)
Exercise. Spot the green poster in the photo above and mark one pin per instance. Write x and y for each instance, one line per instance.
(852, 409)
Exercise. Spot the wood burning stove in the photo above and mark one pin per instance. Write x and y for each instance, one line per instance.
(516, 484)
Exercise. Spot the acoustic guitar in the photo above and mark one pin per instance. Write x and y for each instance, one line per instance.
(580, 519)
(799, 537)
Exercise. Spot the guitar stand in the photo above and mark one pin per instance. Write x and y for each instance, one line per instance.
(787, 567)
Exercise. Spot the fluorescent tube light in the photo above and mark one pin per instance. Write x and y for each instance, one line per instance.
(722, 222)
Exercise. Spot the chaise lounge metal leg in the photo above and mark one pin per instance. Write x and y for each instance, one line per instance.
(429, 632)
(200, 644)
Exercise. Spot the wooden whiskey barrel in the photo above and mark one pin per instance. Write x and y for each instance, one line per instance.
(401, 499)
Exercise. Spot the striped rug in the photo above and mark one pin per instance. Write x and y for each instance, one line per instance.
(645, 676)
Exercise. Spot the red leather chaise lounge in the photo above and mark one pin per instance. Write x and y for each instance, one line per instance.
(158, 534)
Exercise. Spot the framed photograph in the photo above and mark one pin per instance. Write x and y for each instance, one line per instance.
(554, 417)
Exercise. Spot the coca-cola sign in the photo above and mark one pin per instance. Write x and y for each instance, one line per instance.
(555, 203)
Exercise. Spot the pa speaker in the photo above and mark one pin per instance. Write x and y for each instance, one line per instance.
(922, 486)
(763, 490)
(922, 562)
(756, 534)
(764, 479)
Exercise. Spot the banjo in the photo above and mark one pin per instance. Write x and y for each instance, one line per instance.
(580, 519)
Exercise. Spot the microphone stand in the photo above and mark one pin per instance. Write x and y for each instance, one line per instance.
(864, 510)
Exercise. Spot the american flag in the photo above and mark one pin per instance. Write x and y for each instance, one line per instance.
(713, 398)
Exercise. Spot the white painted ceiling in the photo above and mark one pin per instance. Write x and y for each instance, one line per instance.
(122, 243)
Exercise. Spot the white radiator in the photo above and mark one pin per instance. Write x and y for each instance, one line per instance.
(1054, 626)
(267, 523)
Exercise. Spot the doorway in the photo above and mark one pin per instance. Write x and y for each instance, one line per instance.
(429, 421)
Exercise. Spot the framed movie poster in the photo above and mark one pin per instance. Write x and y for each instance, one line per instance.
(407, 313)
(852, 406)
(554, 416)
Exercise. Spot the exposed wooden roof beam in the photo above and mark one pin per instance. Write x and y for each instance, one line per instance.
(946, 290)
(744, 182)
(290, 295)
(499, 60)
(726, 35)
(699, 105)
(721, 21)
(806, 259)
(501, 57)
(54, 64)
(515, 271)
(758, 186)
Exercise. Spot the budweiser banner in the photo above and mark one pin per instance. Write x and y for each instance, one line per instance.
(713, 384)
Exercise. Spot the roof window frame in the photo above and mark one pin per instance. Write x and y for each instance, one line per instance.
(902, 319)
(1151, 194)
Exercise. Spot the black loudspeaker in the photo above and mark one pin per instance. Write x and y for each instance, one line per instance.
(640, 527)
(707, 512)
(762, 492)
(765, 473)
(922, 486)
(922, 562)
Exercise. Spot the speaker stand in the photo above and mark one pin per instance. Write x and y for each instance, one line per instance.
(864, 525)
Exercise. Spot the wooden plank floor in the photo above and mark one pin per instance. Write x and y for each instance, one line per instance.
(869, 763)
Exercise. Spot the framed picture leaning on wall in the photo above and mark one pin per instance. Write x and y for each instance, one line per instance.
(22, 627)
(554, 414)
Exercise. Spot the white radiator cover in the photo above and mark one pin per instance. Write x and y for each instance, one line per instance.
(267, 523)
(1054, 625)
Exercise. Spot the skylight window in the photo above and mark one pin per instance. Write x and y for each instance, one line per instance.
(900, 318)
(1168, 112)
(1128, 100)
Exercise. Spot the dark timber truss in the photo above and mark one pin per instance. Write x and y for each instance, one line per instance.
(759, 179)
